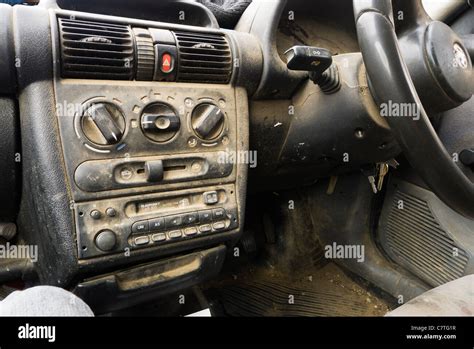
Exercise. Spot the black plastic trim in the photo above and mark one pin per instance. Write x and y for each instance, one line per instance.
(391, 81)
(138, 284)
(7, 51)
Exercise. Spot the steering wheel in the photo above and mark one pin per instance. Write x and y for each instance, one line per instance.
(444, 77)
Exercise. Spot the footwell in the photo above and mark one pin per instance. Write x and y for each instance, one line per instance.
(323, 292)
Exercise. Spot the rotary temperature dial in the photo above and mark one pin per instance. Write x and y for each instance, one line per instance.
(160, 122)
(103, 124)
(207, 121)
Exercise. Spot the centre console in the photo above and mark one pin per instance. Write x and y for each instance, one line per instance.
(149, 118)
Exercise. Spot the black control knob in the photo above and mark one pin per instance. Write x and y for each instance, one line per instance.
(106, 240)
(207, 121)
(103, 124)
(467, 158)
(160, 122)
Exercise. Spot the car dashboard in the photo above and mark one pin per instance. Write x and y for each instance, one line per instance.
(139, 124)
(135, 120)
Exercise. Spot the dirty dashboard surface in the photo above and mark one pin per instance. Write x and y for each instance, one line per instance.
(140, 129)
(139, 125)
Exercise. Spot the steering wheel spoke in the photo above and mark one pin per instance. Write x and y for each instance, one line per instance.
(409, 15)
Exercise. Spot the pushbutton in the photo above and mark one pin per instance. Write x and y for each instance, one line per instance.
(140, 227)
(95, 214)
(190, 231)
(158, 237)
(218, 225)
(111, 212)
(218, 213)
(191, 218)
(210, 197)
(175, 234)
(142, 240)
(157, 223)
(173, 221)
(206, 228)
(205, 216)
(167, 63)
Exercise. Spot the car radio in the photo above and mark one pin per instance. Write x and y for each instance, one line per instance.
(124, 224)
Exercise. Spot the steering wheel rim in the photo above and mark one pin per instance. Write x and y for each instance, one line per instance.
(391, 81)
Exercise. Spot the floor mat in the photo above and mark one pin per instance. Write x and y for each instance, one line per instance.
(324, 292)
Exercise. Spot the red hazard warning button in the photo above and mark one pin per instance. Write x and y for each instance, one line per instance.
(167, 63)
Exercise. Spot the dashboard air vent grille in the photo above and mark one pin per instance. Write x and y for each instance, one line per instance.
(96, 50)
(203, 57)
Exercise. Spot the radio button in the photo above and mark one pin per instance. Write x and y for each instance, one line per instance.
(142, 240)
(219, 226)
(140, 227)
(218, 213)
(190, 231)
(191, 218)
(158, 237)
(206, 228)
(173, 221)
(156, 224)
(175, 234)
(205, 216)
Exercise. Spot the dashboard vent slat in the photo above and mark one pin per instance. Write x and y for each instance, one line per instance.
(96, 50)
(89, 23)
(203, 57)
(105, 38)
(78, 52)
(210, 64)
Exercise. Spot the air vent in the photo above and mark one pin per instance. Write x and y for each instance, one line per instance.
(96, 50)
(203, 58)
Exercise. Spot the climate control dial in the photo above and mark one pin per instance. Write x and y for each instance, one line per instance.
(160, 122)
(103, 124)
(207, 121)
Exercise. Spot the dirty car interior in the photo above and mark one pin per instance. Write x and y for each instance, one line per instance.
(230, 158)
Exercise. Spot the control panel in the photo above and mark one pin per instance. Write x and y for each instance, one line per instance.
(146, 165)
(148, 146)
(124, 224)
(149, 138)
